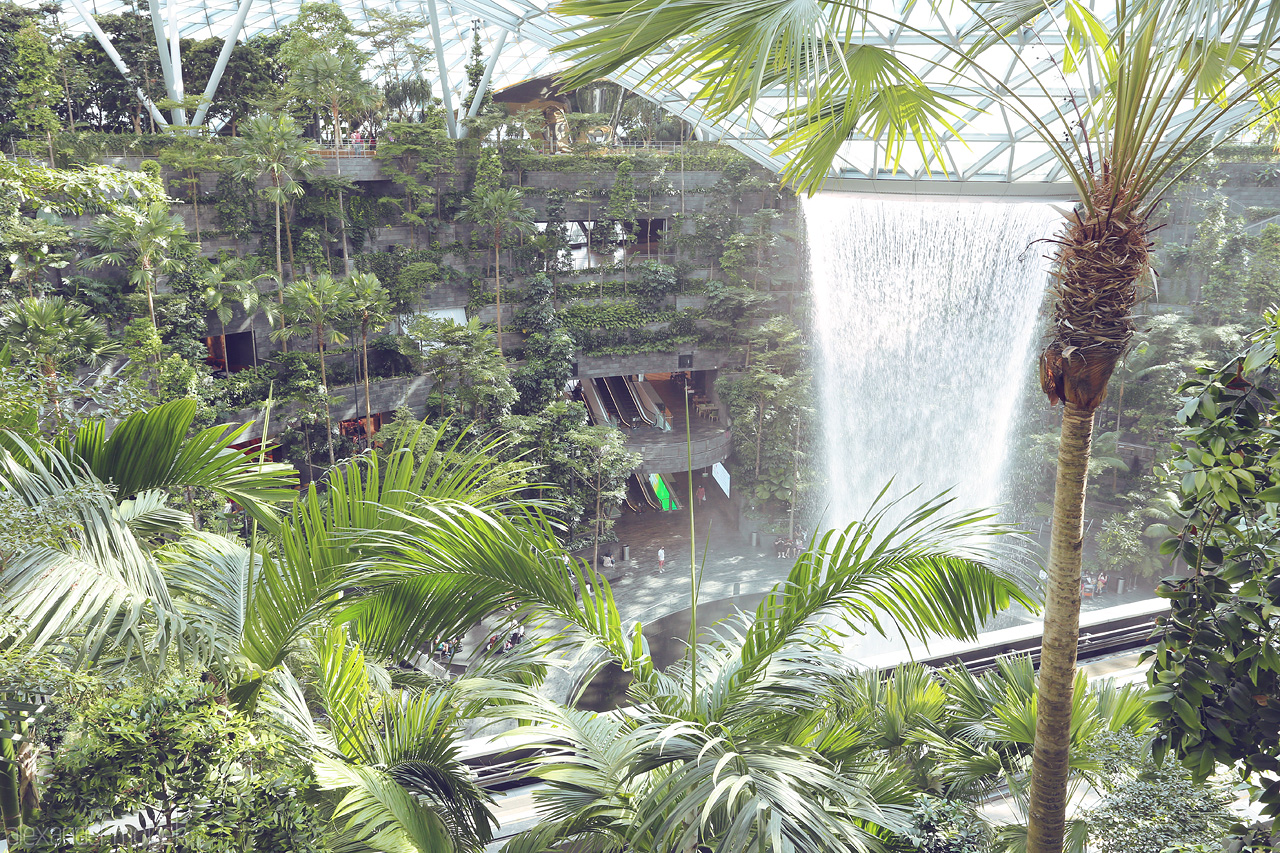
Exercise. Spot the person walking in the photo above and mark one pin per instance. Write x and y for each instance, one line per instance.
(662, 560)
(701, 495)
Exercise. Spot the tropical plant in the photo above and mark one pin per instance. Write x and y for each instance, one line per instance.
(316, 304)
(272, 147)
(54, 335)
(220, 294)
(1122, 139)
(503, 212)
(370, 306)
(191, 155)
(735, 747)
(147, 237)
(1215, 673)
(334, 83)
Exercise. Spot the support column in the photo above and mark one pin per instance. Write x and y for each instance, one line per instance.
(114, 56)
(484, 80)
(175, 62)
(442, 66)
(157, 26)
(224, 56)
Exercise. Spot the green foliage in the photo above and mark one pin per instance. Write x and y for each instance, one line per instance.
(1150, 806)
(416, 280)
(319, 29)
(1215, 674)
(655, 283)
(27, 83)
(472, 377)
(201, 777)
(946, 826)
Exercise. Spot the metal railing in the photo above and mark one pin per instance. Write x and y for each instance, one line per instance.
(330, 147)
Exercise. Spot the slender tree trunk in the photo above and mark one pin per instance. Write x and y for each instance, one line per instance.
(324, 380)
(368, 408)
(342, 212)
(288, 239)
(497, 279)
(279, 264)
(1115, 472)
(759, 434)
(151, 304)
(195, 200)
(1048, 802)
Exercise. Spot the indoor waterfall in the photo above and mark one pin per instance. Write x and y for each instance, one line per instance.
(925, 317)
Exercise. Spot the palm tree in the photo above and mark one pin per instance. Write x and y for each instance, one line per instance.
(220, 294)
(54, 335)
(272, 147)
(737, 747)
(148, 237)
(1164, 80)
(316, 304)
(333, 82)
(370, 306)
(502, 211)
(250, 613)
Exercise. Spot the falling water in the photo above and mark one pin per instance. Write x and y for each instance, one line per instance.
(925, 314)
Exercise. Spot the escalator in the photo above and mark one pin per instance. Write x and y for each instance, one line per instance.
(662, 491)
(595, 405)
(600, 388)
(636, 499)
(645, 488)
(623, 402)
(579, 397)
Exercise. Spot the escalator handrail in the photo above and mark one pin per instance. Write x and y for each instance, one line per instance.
(617, 409)
(646, 489)
(635, 398)
(589, 391)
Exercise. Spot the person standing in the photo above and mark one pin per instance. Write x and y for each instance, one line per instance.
(662, 560)
(701, 494)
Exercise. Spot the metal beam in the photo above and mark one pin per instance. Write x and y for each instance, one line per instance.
(157, 26)
(228, 45)
(175, 62)
(484, 80)
(114, 56)
(445, 93)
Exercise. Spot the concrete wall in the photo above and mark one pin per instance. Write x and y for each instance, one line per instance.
(385, 395)
(673, 456)
(656, 362)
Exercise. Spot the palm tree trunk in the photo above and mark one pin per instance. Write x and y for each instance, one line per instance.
(288, 239)
(342, 213)
(364, 357)
(1048, 802)
(497, 279)
(324, 381)
(279, 264)
(195, 200)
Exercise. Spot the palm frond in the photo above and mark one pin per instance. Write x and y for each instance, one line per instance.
(376, 813)
(151, 450)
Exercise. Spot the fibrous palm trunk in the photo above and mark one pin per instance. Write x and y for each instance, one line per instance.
(324, 381)
(279, 264)
(497, 278)
(364, 359)
(1061, 634)
(1102, 258)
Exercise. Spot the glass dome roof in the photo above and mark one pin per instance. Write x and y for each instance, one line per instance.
(999, 154)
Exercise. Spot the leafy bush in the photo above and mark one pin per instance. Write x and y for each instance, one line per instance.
(1153, 806)
(946, 826)
(198, 776)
